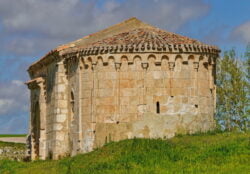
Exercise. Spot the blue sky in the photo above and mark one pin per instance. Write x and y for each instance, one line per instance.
(30, 28)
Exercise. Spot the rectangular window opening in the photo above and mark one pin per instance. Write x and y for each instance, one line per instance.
(157, 107)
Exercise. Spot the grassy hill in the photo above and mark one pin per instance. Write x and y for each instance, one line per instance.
(205, 153)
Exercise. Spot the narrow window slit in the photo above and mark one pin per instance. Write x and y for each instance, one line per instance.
(72, 101)
(157, 107)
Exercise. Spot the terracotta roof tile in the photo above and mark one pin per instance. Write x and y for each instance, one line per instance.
(128, 32)
(145, 35)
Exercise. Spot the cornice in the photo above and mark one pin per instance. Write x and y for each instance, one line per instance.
(55, 55)
(142, 48)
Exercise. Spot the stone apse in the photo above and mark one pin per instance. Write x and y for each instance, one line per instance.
(129, 80)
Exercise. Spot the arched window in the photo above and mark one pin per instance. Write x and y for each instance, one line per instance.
(178, 64)
(157, 107)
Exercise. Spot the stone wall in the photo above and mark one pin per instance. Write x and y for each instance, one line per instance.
(121, 94)
(12, 152)
(91, 100)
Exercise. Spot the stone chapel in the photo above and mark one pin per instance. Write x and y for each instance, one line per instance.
(129, 80)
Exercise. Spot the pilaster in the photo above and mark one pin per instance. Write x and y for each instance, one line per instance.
(60, 125)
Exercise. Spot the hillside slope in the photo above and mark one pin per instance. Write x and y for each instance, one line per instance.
(206, 153)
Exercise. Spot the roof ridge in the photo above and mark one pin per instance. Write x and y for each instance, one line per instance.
(125, 25)
(119, 38)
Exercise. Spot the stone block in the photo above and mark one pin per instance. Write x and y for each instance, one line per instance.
(62, 103)
(140, 83)
(176, 99)
(60, 118)
(105, 92)
(185, 100)
(193, 92)
(176, 83)
(128, 117)
(149, 83)
(57, 111)
(203, 84)
(100, 118)
(134, 100)
(60, 136)
(111, 75)
(162, 99)
(127, 83)
(157, 91)
(204, 92)
(185, 74)
(105, 109)
(128, 109)
(57, 127)
(110, 119)
(86, 93)
(157, 74)
(178, 91)
(164, 109)
(203, 75)
(107, 84)
(64, 111)
(86, 78)
(86, 102)
(106, 101)
(158, 83)
(128, 92)
(149, 99)
(87, 109)
(61, 88)
(186, 83)
(60, 96)
(142, 108)
(124, 100)
(87, 85)
(126, 75)
(88, 117)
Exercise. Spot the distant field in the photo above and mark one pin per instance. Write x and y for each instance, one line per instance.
(16, 145)
(213, 153)
(12, 135)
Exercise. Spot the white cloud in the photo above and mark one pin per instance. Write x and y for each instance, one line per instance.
(36, 24)
(18, 83)
(5, 105)
(30, 27)
(13, 97)
(242, 32)
(14, 125)
(167, 14)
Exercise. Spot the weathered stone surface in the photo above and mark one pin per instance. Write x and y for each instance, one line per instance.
(57, 127)
(131, 80)
(60, 118)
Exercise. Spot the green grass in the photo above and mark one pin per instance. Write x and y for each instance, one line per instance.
(16, 145)
(12, 135)
(220, 153)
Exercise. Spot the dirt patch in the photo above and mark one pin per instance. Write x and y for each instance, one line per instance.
(14, 139)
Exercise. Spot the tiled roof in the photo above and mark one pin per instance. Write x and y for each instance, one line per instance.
(122, 35)
(146, 36)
